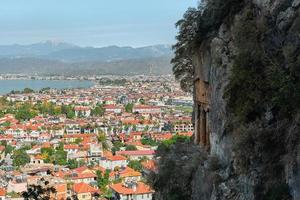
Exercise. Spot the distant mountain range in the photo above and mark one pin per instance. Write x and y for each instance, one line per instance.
(38, 49)
(62, 58)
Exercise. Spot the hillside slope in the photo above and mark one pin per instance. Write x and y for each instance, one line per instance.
(159, 65)
(56, 58)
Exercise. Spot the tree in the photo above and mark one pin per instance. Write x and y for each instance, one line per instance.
(73, 163)
(25, 112)
(114, 150)
(55, 110)
(103, 140)
(168, 127)
(60, 157)
(20, 157)
(165, 145)
(39, 192)
(60, 146)
(28, 90)
(103, 181)
(126, 127)
(182, 62)
(142, 101)
(48, 108)
(118, 144)
(8, 149)
(51, 155)
(3, 143)
(131, 148)
(13, 194)
(78, 140)
(146, 128)
(68, 111)
(98, 110)
(197, 25)
(3, 101)
(135, 164)
(148, 141)
(134, 127)
(44, 90)
(47, 154)
(5, 124)
(129, 107)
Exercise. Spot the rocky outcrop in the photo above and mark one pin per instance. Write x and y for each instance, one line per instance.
(218, 58)
(248, 52)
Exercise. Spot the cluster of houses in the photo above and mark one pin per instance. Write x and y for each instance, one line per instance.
(150, 116)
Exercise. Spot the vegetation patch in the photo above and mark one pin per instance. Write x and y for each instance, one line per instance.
(197, 26)
(263, 82)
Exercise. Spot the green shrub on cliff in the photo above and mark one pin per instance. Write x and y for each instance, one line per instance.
(178, 161)
(198, 25)
(262, 81)
(164, 146)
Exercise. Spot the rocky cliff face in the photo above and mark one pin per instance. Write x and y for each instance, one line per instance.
(248, 51)
(259, 149)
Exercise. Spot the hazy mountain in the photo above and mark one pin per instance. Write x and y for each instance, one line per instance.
(110, 53)
(38, 49)
(33, 66)
(58, 57)
(70, 53)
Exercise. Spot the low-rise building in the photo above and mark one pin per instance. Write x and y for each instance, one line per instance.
(138, 154)
(84, 191)
(145, 109)
(131, 190)
(113, 109)
(82, 111)
(95, 153)
(2, 194)
(111, 162)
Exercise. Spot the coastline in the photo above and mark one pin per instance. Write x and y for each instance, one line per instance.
(9, 85)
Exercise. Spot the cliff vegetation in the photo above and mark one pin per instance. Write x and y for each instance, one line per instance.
(254, 59)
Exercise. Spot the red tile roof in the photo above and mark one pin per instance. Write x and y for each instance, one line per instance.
(84, 175)
(61, 188)
(2, 148)
(2, 192)
(82, 108)
(149, 165)
(189, 134)
(116, 158)
(39, 157)
(128, 172)
(46, 145)
(141, 188)
(83, 172)
(162, 136)
(84, 188)
(136, 153)
(71, 146)
(81, 169)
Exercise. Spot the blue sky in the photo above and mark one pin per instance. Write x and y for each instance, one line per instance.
(91, 22)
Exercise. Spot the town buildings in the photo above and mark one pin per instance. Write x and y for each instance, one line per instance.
(90, 142)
